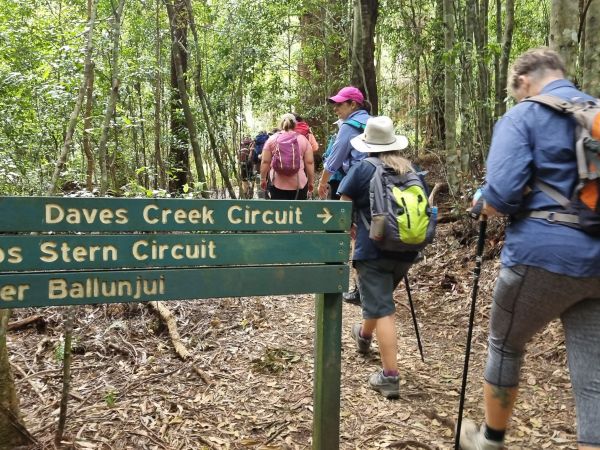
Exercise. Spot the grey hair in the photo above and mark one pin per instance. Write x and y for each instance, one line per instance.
(535, 63)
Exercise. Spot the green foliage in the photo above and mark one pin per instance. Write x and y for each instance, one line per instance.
(110, 397)
(255, 59)
(59, 352)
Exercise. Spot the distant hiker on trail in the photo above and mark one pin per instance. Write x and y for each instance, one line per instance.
(246, 165)
(350, 106)
(259, 143)
(287, 168)
(550, 266)
(303, 128)
(379, 272)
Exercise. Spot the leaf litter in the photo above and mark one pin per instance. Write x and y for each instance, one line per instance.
(248, 383)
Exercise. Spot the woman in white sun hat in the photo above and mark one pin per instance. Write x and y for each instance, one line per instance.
(379, 272)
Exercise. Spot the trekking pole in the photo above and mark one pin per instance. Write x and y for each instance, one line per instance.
(476, 273)
(414, 317)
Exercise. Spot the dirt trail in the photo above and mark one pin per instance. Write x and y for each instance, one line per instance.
(131, 392)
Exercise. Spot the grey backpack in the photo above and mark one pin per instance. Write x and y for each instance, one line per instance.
(401, 217)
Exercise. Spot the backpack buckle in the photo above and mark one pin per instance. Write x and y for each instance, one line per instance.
(550, 217)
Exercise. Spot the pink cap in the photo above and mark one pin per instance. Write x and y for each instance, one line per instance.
(348, 93)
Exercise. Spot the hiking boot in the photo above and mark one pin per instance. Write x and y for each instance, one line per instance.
(352, 297)
(363, 345)
(389, 387)
(473, 438)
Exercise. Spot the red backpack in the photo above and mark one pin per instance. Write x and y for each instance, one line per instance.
(287, 155)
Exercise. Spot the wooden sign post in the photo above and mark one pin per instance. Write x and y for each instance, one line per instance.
(78, 251)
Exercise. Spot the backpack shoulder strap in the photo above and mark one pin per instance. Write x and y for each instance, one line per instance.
(376, 162)
(554, 102)
(355, 124)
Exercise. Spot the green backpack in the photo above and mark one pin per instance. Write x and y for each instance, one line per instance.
(401, 217)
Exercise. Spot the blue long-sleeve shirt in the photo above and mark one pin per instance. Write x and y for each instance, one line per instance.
(343, 155)
(533, 141)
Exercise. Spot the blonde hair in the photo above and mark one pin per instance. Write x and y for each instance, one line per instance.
(396, 161)
(288, 122)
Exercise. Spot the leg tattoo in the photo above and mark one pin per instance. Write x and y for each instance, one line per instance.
(502, 395)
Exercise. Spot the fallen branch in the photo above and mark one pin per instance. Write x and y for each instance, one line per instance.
(169, 320)
(405, 444)
(19, 324)
(201, 374)
(434, 192)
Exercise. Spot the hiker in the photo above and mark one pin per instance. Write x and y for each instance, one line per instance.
(352, 109)
(287, 163)
(350, 106)
(246, 165)
(303, 128)
(379, 272)
(259, 143)
(336, 178)
(550, 269)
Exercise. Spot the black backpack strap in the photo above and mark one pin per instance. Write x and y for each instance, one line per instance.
(375, 162)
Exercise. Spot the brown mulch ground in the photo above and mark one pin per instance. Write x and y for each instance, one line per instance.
(253, 385)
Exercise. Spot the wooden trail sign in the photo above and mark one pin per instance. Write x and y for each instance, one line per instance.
(76, 251)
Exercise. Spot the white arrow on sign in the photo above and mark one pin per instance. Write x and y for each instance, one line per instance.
(326, 216)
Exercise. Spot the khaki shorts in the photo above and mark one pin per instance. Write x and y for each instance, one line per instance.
(377, 280)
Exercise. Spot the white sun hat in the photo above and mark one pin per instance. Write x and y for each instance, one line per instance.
(379, 137)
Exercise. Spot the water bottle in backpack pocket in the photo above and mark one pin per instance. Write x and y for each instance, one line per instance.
(286, 155)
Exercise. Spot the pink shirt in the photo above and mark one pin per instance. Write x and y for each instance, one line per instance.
(289, 182)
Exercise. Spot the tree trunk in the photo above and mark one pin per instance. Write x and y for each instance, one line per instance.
(179, 160)
(450, 99)
(363, 49)
(504, 58)
(88, 68)
(66, 381)
(160, 180)
(112, 99)
(87, 127)
(142, 122)
(591, 64)
(12, 430)
(499, 34)
(177, 51)
(437, 124)
(483, 91)
(564, 25)
(417, 57)
(467, 87)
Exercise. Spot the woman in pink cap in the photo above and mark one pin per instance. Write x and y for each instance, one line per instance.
(353, 112)
(350, 106)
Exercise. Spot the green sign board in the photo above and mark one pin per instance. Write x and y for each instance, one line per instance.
(110, 215)
(61, 251)
(94, 251)
(81, 288)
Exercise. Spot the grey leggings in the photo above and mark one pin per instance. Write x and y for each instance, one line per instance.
(526, 299)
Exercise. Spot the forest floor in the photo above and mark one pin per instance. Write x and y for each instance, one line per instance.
(248, 384)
